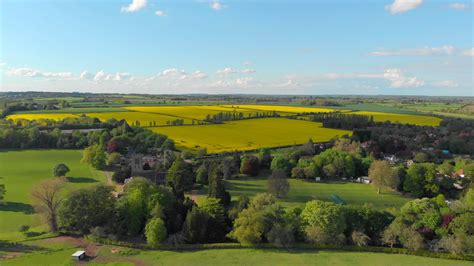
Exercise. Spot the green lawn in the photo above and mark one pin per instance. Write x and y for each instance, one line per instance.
(303, 191)
(22, 170)
(61, 256)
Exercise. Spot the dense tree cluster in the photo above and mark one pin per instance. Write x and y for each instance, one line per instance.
(121, 138)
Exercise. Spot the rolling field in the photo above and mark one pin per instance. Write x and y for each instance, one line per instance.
(303, 191)
(58, 251)
(281, 109)
(22, 170)
(145, 119)
(249, 134)
(49, 116)
(190, 112)
(419, 120)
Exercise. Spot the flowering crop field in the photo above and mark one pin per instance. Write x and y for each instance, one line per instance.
(280, 108)
(49, 116)
(190, 112)
(145, 119)
(420, 120)
(249, 134)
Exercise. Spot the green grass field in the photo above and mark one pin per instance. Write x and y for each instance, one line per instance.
(249, 134)
(21, 171)
(303, 191)
(59, 254)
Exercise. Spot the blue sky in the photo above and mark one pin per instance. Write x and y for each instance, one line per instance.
(414, 47)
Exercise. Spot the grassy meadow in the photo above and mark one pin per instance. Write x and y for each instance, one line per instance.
(249, 134)
(21, 171)
(302, 191)
(58, 251)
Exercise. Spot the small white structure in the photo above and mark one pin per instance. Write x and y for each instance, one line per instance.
(317, 179)
(79, 255)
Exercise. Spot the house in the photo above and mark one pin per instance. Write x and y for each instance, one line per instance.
(79, 255)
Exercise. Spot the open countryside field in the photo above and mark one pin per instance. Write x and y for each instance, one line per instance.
(21, 171)
(49, 116)
(420, 120)
(281, 109)
(302, 191)
(57, 252)
(144, 119)
(249, 134)
(190, 112)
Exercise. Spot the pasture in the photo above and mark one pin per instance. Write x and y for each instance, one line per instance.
(249, 134)
(419, 120)
(58, 251)
(22, 170)
(302, 191)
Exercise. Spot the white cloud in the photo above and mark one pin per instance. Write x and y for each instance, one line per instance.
(469, 52)
(398, 80)
(195, 75)
(459, 6)
(134, 6)
(172, 72)
(33, 73)
(401, 6)
(424, 51)
(100, 76)
(395, 76)
(446, 84)
(248, 71)
(226, 71)
(216, 5)
(86, 75)
(160, 13)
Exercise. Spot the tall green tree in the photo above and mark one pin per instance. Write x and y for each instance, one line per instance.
(155, 232)
(180, 177)
(382, 175)
(87, 208)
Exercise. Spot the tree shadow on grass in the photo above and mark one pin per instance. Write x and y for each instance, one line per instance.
(73, 179)
(18, 247)
(17, 207)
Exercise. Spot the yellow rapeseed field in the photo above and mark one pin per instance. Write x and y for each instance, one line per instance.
(420, 120)
(249, 134)
(145, 119)
(49, 116)
(282, 109)
(190, 112)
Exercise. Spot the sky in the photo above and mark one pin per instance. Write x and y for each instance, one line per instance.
(388, 47)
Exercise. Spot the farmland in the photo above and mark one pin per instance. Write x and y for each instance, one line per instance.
(144, 119)
(22, 170)
(249, 134)
(419, 120)
(190, 112)
(49, 116)
(281, 109)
